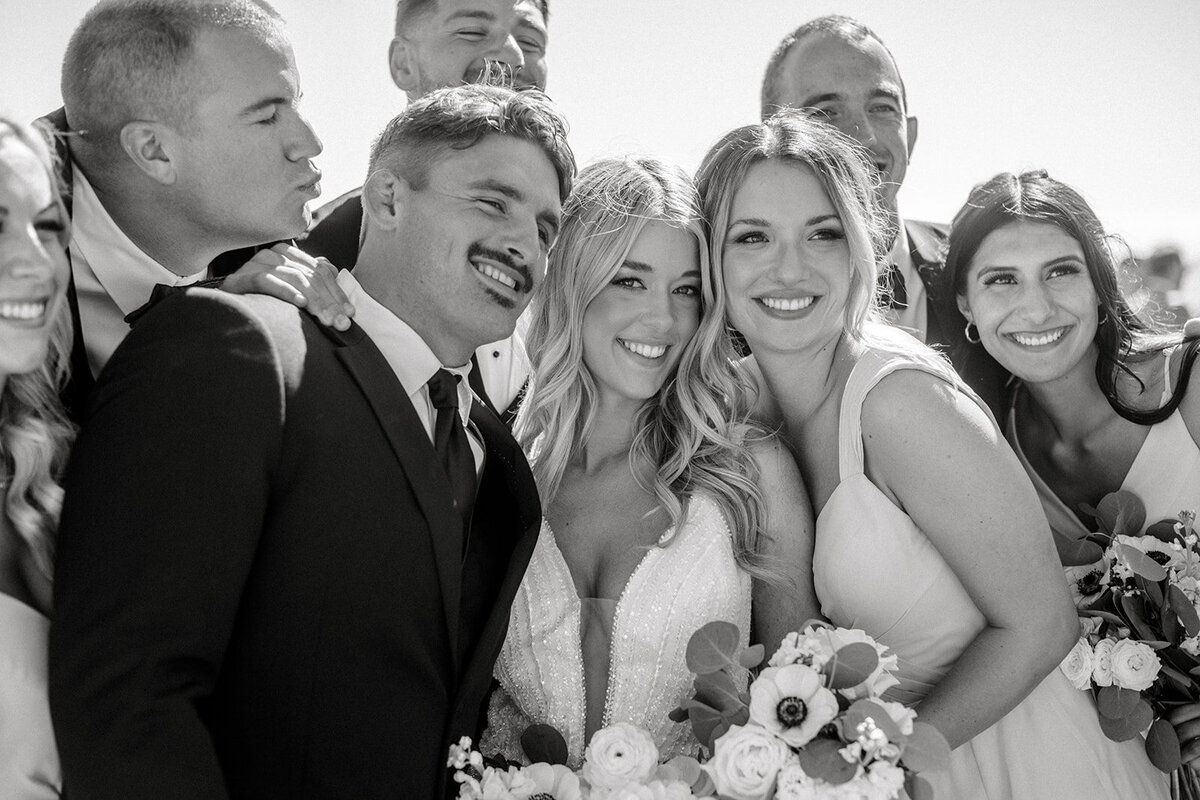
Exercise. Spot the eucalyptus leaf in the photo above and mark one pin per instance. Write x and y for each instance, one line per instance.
(752, 656)
(926, 749)
(1164, 530)
(1184, 609)
(705, 722)
(1121, 513)
(820, 759)
(1125, 728)
(544, 743)
(1117, 703)
(860, 711)
(1162, 745)
(713, 647)
(1152, 590)
(1132, 608)
(718, 690)
(918, 788)
(851, 665)
(1140, 563)
(1076, 552)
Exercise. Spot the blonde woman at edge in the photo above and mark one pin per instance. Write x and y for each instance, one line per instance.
(929, 535)
(34, 436)
(664, 510)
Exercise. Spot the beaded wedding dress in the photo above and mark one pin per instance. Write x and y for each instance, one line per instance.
(563, 651)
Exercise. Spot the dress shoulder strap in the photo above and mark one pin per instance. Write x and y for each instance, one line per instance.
(874, 366)
(1166, 395)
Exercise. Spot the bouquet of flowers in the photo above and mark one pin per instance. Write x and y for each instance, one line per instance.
(812, 725)
(621, 763)
(1139, 607)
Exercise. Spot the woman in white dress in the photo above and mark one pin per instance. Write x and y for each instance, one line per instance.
(929, 535)
(34, 342)
(664, 509)
(1099, 396)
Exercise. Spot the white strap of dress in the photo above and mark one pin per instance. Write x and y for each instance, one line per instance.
(873, 367)
(1166, 395)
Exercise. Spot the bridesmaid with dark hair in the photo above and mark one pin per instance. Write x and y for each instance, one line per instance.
(1099, 396)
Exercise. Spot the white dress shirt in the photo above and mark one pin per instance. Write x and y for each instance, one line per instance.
(411, 359)
(914, 318)
(113, 276)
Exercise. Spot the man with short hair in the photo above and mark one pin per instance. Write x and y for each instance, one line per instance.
(446, 43)
(302, 591)
(840, 71)
(181, 139)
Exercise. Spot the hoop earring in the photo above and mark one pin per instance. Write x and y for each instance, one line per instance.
(1103, 318)
(967, 333)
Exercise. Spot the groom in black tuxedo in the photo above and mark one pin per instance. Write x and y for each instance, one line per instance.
(287, 554)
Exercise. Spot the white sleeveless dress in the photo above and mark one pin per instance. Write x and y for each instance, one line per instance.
(874, 569)
(28, 759)
(676, 588)
(1165, 474)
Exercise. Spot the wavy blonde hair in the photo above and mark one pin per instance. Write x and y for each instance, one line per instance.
(34, 432)
(695, 430)
(844, 172)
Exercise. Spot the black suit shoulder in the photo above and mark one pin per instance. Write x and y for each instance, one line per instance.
(335, 231)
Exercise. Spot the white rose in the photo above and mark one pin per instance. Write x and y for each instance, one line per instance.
(1089, 626)
(1191, 646)
(1077, 666)
(619, 754)
(746, 761)
(901, 714)
(1135, 665)
(886, 780)
(654, 790)
(1102, 662)
(881, 679)
(808, 648)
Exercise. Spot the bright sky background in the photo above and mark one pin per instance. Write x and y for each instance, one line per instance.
(1103, 93)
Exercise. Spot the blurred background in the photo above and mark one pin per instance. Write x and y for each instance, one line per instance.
(1103, 94)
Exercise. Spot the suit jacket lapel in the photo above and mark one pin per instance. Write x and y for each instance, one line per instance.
(505, 462)
(410, 443)
(924, 246)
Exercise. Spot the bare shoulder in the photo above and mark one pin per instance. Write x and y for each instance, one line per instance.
(777, 467)
(915, 401)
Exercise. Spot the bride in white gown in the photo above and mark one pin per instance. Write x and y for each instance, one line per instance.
(660, 513)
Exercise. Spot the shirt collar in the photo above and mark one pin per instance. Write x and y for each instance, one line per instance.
(127, 274)
(901, 254)
(405, 351)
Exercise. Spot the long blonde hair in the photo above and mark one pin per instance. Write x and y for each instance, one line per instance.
(695, 430)
(841, 166)
(34, 432)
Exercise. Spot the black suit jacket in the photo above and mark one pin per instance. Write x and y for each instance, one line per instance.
(79, 386)
(926, 244)
(261, 588)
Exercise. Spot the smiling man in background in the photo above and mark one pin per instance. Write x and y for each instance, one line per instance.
(440, 43)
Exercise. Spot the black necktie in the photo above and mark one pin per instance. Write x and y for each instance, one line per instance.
(891, 286)
(450, 441)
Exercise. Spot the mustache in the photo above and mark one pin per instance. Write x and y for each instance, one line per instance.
(526, 285)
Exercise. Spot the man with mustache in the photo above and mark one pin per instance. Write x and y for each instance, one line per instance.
(838, 70)
(302, 591)
(441, 43)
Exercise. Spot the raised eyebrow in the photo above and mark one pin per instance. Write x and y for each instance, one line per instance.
(499, 187)
(1067, 259)
(827, 97)
(471, 13)
(817, 220)
(636, 266)
(887, 92)
(755, 221)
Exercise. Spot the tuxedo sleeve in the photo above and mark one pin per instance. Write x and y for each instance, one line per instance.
(166, 492)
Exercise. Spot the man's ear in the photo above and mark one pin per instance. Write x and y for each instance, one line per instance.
(402, 60)
(911, 123)
(150, 145)
(963, 307)
(383, 199)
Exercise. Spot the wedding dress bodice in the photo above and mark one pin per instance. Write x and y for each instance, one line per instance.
(690, 579)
